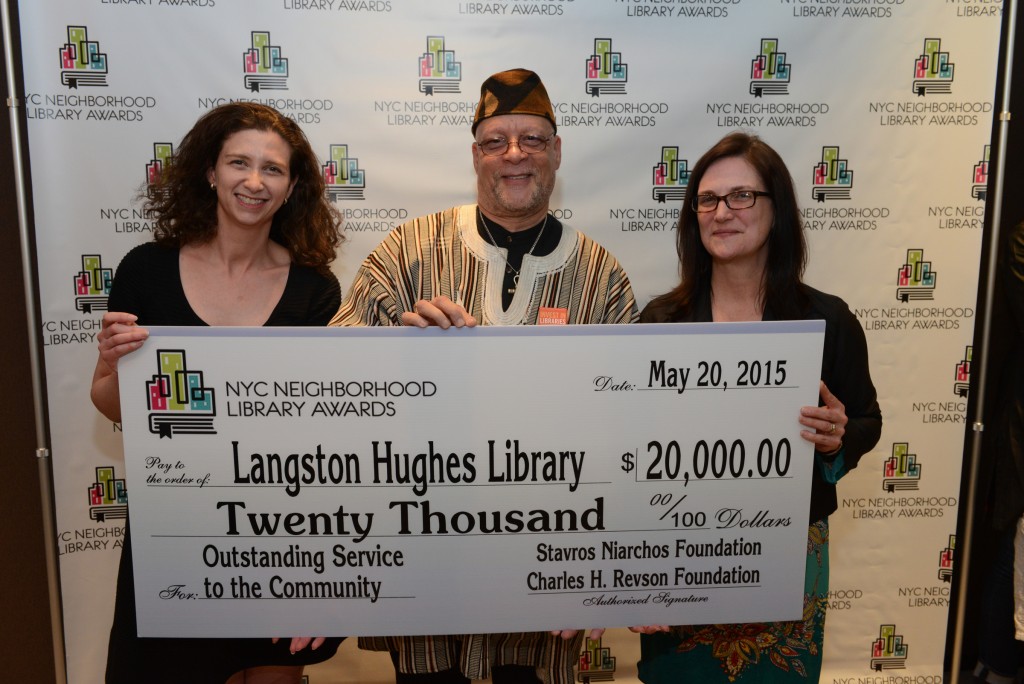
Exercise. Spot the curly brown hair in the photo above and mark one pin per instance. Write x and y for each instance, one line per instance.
(185, 209)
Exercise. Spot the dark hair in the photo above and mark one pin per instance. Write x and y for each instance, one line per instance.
(185, 208)
(787, 249)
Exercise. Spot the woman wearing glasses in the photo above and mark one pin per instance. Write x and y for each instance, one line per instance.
(742, 252)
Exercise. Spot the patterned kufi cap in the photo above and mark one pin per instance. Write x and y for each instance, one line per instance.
(516, 91)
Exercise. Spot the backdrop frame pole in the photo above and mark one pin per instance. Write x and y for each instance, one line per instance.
(42, 452)
(979, 374)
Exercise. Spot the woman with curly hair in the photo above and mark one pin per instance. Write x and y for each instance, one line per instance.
(244, 236)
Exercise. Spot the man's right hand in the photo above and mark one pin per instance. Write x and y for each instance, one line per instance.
(439, 311)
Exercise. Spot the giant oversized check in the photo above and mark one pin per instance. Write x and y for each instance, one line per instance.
(404, 481)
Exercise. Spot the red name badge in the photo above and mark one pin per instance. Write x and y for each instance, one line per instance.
(550, 316)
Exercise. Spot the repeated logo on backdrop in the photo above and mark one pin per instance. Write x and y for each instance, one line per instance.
(932, 75)
(596, 663)
(671, 176)
(967, 215)
(832, 176)
(901, 471)
(107, 499)
(81, 62)
(889, 650)
(915, 280)
(178, 400)
(264, 64)
(962, 375)
(108, 496)
(162, 153)
(979, 189)
(92, 284)
(606, 72)
(769, 72)
(946, 558)
(342, 175)
(265, 69)
(439, 72)
(933, 72)
(770, 75)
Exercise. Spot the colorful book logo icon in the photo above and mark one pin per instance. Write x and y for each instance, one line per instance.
(108, 496)
(439, 72)
(671, 176)
(946, 558)
(92, 284)
(933, 72)
(178, 399)
(81, 62)
(901, 470)
(769, 70)
(265, 67)
(833, 178)
(607, 74)
(915, 279)
(342, 175)
(888, 651)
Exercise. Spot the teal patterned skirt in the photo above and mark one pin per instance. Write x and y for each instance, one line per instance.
(748, 653)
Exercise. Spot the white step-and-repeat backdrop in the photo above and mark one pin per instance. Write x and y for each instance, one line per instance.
(881, 108)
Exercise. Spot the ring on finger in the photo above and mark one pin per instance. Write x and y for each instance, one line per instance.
(831, 428)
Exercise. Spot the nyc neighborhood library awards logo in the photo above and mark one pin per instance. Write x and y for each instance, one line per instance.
(84, 65)
(91, 290)
(933, 75)
(888, 651)
(946, 558)
(933, 72)
(265, 67)
(108, 496)
(162, 153)
(439, 72)
(178, 400)
(770, 75)
(342, 175)
(81, 62)
(963, 374)
(967, 216)
(671, 176)
(832, 177)
(980, 188)
(769, 72)
(597, 664)
(92, 284)
(606, 72)
(901, 471)
(915, 280)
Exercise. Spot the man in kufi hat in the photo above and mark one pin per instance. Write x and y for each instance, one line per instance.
(505, 260)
